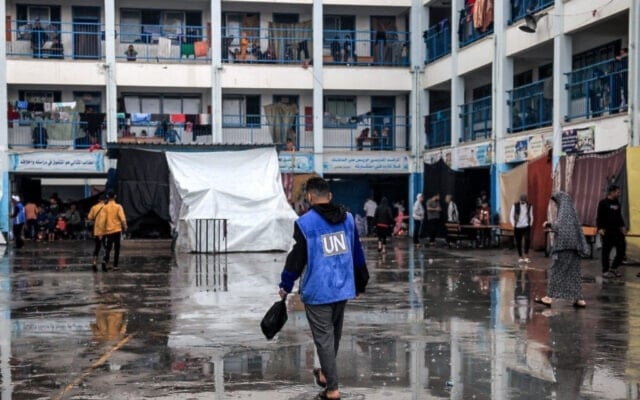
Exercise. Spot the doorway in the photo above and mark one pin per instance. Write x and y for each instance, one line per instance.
(383, 120)
(86, 33)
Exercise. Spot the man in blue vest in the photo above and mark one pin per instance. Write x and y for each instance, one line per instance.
(328, 246)
(18, 219)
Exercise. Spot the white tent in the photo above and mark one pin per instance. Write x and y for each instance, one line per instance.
(243, 187)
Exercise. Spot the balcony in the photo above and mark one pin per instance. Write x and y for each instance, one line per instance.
(369, 48)
(439, 129)
(520, 8)
(598, 89)
(476, 119)
(267, 46)
(530, 107)
(438, 41)
(469, 31)
(166, 43)
(48, 134)
(55, 40)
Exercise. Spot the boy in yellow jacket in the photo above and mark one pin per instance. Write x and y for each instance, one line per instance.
(114, 224)
(97, 216)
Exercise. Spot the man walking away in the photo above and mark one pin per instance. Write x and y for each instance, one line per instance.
(115, 223)
(612, 230)
(97, 216)
(31, 213)
(433, 217)
(418, 217)
(370, 211)
(327, 249)
(521, 218)
(18, 217)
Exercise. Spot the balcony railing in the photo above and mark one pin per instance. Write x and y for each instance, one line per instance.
(438, 41)
(167, 43)
(370, 132)
(55, 40)
(597, 89)
(476, 119)
(467, 31)
(46, 134)
(520, 8)
(439, 129)
(390, 48)
(531, 105)
(267, 45)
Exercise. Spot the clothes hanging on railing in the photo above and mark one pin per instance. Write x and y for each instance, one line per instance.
(164, 47)
(482, 14)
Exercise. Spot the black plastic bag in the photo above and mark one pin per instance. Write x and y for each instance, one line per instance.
(274, 319)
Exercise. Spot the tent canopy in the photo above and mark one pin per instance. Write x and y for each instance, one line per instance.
(243, 187)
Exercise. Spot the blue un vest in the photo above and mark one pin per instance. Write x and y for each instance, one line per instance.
(329, 276)
(20, 217)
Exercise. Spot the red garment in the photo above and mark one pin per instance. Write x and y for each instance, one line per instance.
(539, 187)
(178, 118)
(200, 49)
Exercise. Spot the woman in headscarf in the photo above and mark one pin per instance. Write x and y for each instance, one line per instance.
(565, 281)
(384, 223)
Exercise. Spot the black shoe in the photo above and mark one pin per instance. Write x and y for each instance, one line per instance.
(104, 267)
(94, 267)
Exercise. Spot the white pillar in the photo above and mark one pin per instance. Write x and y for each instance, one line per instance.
(634, 73)
(4, 127)
(457, 84)
(562, 63)
(110, 70)
(318, 83)
(216, 71)
(502, 71)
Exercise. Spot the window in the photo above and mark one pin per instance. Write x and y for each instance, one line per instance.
(238, 110)
(26, 14)
(545, 71)
(585, 59)
(147, 26)
(338, 27)
(339, 111)
(523, 78)
(235, 23)
(482, 91)
(40, 96)
(158, 104)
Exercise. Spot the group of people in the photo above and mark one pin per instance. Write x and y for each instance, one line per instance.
(44, 222)
(52, 221)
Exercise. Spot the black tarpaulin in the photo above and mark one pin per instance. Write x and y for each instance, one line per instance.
(143, 191)
(465, 186)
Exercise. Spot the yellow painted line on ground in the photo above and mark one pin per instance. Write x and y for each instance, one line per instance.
(93, 366)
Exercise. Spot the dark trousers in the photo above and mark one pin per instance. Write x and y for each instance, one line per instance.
(371, 225)
(417, 228)
(520, 234)
(17, 235)
(98, 243)
(432, 229)
(609, 241)
(113, 241)
(325, 321)
(32, 228)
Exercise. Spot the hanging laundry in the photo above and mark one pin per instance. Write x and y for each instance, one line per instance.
(140, 117)
(178, 118)
(201, 49)
(164, 48)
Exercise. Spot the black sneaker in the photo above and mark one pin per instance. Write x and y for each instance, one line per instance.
(104, 267)
(94, 267)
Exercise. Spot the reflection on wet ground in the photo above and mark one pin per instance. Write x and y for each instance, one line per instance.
(434, 324)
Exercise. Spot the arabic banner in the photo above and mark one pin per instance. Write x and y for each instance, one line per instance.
(53, 162)
(435, 156)
(475, 156)
(297, 163)
(363, 163)
(528, 147)
(578, 140)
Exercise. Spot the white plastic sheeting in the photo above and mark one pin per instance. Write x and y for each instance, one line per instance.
(243, 187)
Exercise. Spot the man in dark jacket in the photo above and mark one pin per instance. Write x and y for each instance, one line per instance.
(612, 230)
(327, 244)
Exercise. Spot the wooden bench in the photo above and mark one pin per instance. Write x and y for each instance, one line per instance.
(590, 233)
(455, 234)
(505, 230)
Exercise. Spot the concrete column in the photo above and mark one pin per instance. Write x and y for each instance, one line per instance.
(110, 70)
(318, 84)
(457, 84)
(5, 190)
(562, 63)
(216, 71)
(502, 71)
(634, 74)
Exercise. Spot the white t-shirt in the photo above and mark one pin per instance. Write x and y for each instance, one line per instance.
(370, 208)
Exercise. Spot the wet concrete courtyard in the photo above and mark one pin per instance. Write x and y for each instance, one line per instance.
(434, 324)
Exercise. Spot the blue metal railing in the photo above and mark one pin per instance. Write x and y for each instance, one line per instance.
(476, 119)
(520, 8)
(55, 40)
(371, 132)
(439, 125)
(145, 42)
(343, 47)
(530, 108)
(598, 88)
(467, 32)
(48, 133)
(438, 41)
(266, 45)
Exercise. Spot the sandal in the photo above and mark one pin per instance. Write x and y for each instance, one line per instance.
(580, 304)
(323, 396)
(540, 301)
(316, 374)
